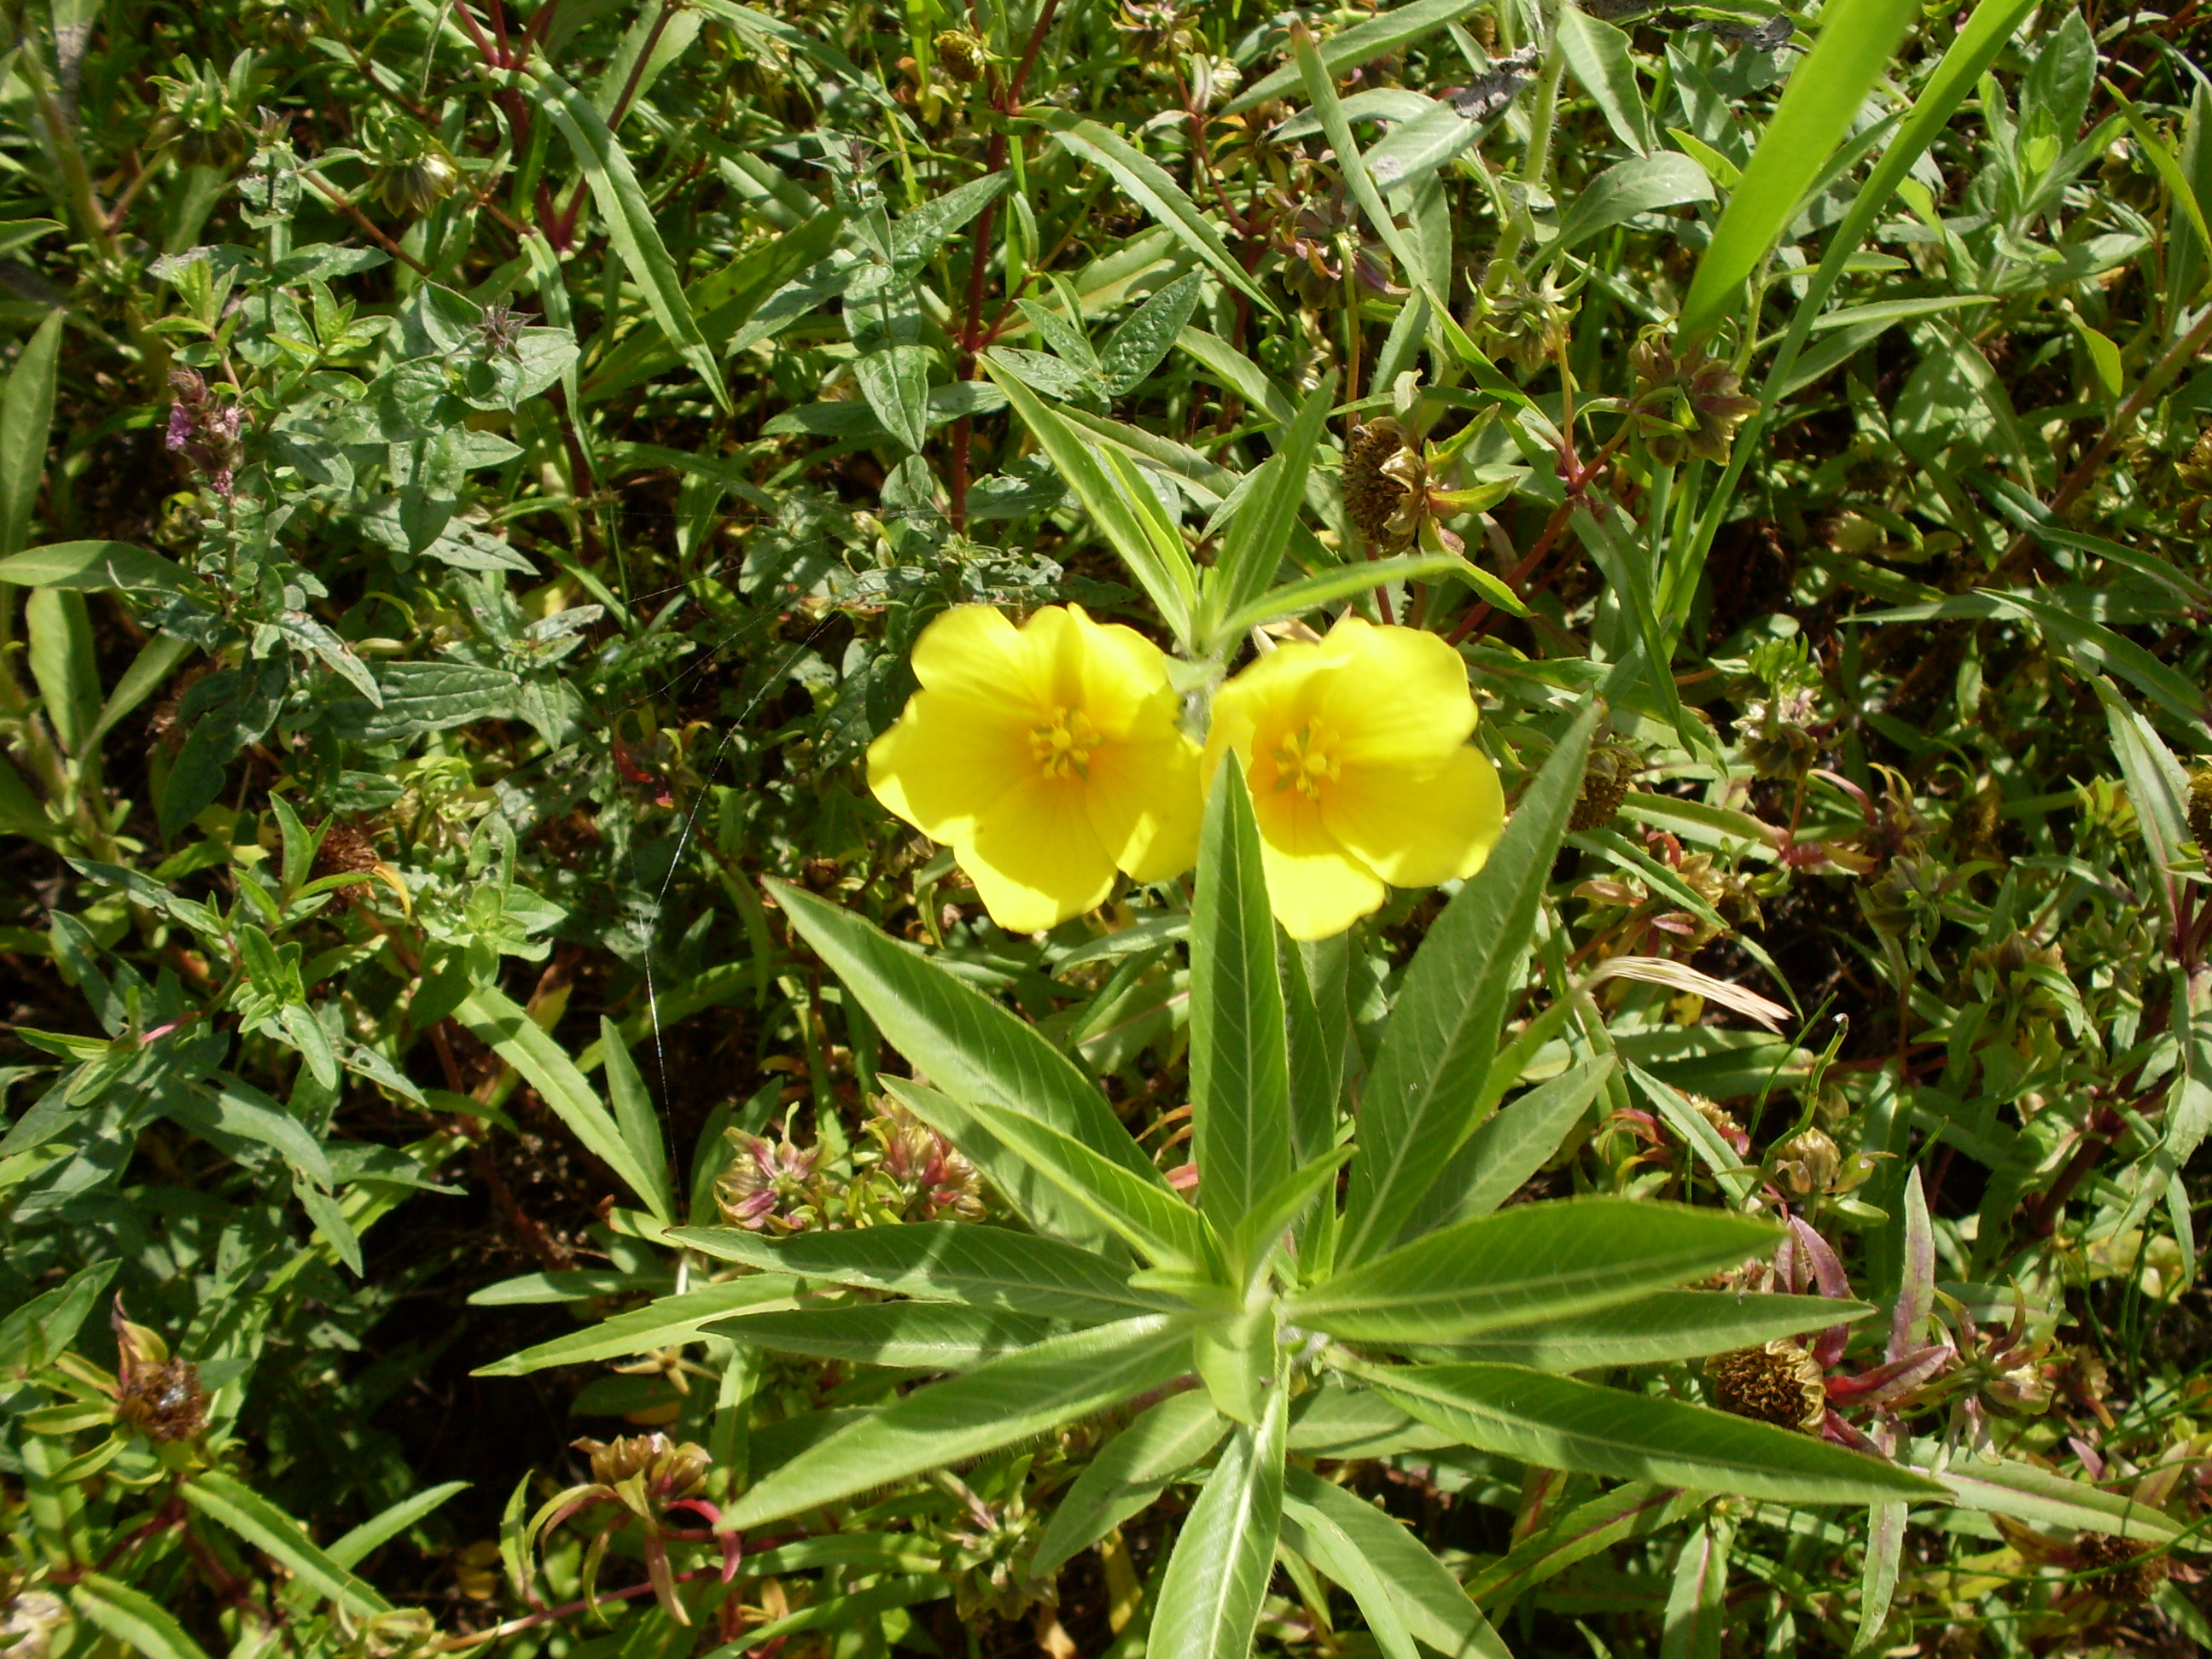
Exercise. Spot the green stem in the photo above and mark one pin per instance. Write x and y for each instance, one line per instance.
(1542, 115)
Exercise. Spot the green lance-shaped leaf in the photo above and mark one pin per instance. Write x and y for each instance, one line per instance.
(1533, 1263)
(1424, 1596)
(930, 1336)
(1511, 1146)
(2028, 1494)
(635, 1118)
(26, 413)
(670, 1322)
(1429, 1078)
(989, 1267)
(632, 226)
(1564, 1424)
(972, 1049)
(93, 567)
(1240, 1066)
(1362, 43)
(234, 1505)
(1217, 1578)
(1147, 184)
(1629, 1511)
(994, 1405)
(505, 1027)
(1118, 501)
(1147, 1214)
(133, 1618)
(1671, 1324)
(1823, 97)
(1259, 534)
(350, 1549)
(1133, 1469)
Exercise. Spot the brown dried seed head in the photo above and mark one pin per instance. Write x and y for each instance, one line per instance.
(1612, 766)
(2200, 813)
(1779, 1384)
(1372, 495)
(344, 851)
(960, 55)
(2124, 1571)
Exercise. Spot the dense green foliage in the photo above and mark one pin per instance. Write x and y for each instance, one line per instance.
(471, 479)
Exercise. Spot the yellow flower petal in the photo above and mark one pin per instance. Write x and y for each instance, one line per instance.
(1035, 858)
(1399, 698)
(949, 760)
(1316, 888)
(1144, 804)
(973, 651)
(1417, 828)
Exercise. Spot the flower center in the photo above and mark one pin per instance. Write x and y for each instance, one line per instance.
(1063, 748)
(1304, 762)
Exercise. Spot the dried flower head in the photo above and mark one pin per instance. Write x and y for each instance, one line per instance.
(1687, 406)
(962, 56)
(159, 1396)
(1606, 776)
(2125, 1572)
(1779, 1384)
(344, 850)
(1385, 483)
(1807, 1162)
(1523, 321)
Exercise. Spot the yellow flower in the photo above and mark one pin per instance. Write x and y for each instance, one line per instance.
(1355, 750)
(1046, 757)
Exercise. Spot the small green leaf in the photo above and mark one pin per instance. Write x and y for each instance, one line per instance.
(995, 1405)
(136, 1620)
(636, 1120)
(1437, 1050)
(27, 416)
(1240, 1085)
(1509, 1148)
(1564, 1424)
(1129, 1472)
(1424, 1595)
(1217, 1577)
(93, 567)
(954, 1262)
(1530, 1262)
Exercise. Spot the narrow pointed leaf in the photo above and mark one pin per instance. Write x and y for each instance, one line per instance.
(1278, 1209)
(1240, 1082)
(633, 227)
(994, 1405)
(1364, 41)
(1534, 1261)
(1429, 1077)
(990, 1267)
(502, 1025)
(1818, 106)
(1671, 1325)
(672, 1321)
(936, 1336)
(1259, 535)
(1217, 1578)
(230, 1503)
(972, 1049)
(1147, 1214)
(1435, 1610)
(1511, 1146)
(1128, 1473)
(637, 1120)
(1568, 1424)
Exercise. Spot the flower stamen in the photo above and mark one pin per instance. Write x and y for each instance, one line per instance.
(1063, 748)
(1304, 762)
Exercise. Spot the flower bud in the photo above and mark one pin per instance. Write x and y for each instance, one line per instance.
(1808, 1164)
(667, 1470)
(962, 56)
(769, 1186)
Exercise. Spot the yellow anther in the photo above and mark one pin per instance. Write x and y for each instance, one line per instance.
(1304, 762)
(1064, 747)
